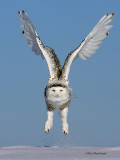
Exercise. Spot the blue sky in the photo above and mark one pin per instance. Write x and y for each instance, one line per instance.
(94, 114)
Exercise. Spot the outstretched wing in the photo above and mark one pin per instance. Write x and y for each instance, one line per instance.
(89, 45)
(37, 46)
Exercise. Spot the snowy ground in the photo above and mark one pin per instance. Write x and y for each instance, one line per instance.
(59, 153)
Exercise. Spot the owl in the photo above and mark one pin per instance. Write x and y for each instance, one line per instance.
(58, 93)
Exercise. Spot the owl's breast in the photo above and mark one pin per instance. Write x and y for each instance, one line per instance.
(57, 102)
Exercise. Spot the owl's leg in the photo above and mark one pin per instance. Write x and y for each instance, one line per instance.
(49, 122)
(63, 114)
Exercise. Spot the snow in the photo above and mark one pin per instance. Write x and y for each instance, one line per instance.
(59, 153)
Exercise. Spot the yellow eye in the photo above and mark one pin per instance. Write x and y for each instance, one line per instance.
(53, 90)
(61, 90)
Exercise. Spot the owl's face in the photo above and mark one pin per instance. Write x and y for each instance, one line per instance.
(57, 92)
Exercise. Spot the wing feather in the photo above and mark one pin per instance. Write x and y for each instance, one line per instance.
(38, 48)
(89, 45)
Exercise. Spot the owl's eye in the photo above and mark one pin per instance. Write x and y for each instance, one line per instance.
(53, 90)
(61, 90)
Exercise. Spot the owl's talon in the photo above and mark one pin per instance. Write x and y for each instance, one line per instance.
(65, 133)
(65, 129)
(47, 131)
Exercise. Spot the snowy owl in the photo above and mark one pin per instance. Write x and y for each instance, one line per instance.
(58, 93)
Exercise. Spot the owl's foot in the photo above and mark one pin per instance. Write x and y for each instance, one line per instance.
(65, 128)
(48, 126)
(63, 114)
(49, 122)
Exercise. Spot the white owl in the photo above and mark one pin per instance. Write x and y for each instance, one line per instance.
(58, 93)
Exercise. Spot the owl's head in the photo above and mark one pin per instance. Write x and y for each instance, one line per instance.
(57, 92)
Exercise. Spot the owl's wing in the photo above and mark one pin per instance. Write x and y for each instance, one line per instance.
(89, 45)
(37, 46)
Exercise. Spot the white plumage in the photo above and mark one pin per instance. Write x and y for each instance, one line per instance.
(58, 93)
(90, 44)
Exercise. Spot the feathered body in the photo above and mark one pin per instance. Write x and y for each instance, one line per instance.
(58, 93)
